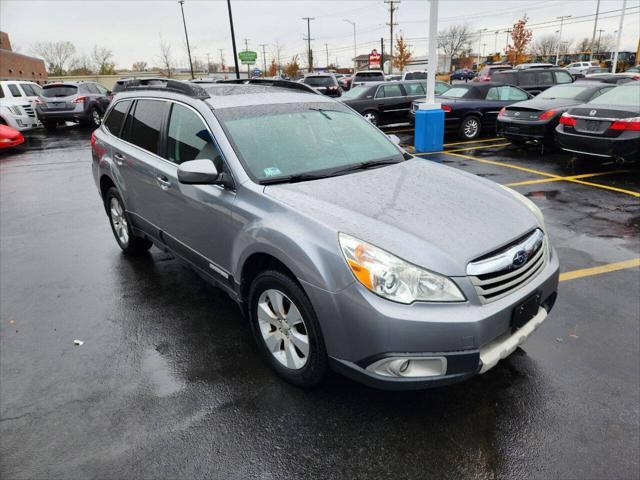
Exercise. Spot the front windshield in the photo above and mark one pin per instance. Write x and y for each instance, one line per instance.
(456, 92)
(624, 96)
(560, 91)
(276, 141)
(358, 91)
(319, 81)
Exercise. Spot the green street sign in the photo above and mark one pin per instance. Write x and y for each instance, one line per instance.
(248, 57)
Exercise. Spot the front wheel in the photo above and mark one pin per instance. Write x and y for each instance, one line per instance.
(128, 242)
(286, 329)
(470, 128)
(372, 117)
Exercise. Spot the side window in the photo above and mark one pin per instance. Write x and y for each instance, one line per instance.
(189, 138)
(493, 94)
(101, 89)
(1, 91)
(527, 79)
(545, 78)
(441, 88)
(512, 93)
(413, 89)
(143, 126)
(92, 88)
(387, 91)
(115, 119)
(563, 77)
(15, 91)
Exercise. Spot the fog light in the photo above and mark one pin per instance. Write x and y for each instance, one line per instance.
(410, 367)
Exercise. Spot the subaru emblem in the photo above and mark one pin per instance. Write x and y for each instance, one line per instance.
(517, 114)
(592, 113)
(520, 258)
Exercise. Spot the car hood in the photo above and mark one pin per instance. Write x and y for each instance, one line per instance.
(431, 215)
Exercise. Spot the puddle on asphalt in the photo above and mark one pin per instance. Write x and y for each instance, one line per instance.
(158, 374)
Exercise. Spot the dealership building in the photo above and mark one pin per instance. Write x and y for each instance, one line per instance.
(16, 66)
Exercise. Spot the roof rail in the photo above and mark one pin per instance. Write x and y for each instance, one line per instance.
(165, 84)
(269, 82)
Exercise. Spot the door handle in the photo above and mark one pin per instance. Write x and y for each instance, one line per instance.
(163, 182)
(119, 158)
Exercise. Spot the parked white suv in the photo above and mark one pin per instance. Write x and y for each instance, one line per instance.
(17, 104)
(579, 68)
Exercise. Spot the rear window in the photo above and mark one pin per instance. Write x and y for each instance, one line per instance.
(628, 96)
(15, 91)
(116, 116)
(415, 76)
(319, 81)
(52, 91)
(368, 77)
(570, 91)
(143, 127)
(505, 77)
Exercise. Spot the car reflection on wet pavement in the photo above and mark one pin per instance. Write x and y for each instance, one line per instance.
(168, 382)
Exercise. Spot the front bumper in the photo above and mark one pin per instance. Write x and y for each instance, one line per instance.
(360, 328)
(21, 122)
(626, 146)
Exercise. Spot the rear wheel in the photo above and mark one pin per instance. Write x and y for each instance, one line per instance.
(128, 242)
(286, 329)
(470, 128)
(372, 117)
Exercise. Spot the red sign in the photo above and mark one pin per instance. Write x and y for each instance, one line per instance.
(374, 59)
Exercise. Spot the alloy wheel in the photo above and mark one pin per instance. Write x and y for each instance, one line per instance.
(119, 221)
(95, 117)
(283, 329)
(372, 117)
(471, 128)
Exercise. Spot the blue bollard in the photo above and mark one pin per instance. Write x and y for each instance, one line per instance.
(429, 131)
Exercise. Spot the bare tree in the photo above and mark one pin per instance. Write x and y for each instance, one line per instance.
(453, 40)
(140, 66)
(57, 55)
(102, 58)
(81, 65)
(277, 54)
(545, 45)
(166, 62)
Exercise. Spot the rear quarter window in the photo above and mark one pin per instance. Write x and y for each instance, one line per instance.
(143, 126)
(505, 77)
(563, 77)
(116, 117)
(15, 91)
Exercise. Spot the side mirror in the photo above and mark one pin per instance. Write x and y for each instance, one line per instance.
(198, 172)
(394, 139)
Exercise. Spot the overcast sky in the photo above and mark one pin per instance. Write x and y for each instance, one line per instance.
(131, 28)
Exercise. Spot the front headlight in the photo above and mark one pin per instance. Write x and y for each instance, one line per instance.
(530, 205)
(393, 278)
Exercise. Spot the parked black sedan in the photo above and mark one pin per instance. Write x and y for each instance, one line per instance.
(384, 103)
(607, 127)
(472, 107)
(536, 119)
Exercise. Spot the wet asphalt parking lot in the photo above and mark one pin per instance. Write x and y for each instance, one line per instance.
(169, 383)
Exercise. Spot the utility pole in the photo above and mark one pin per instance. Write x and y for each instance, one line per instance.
(246, 48)
(593, 37)
(495, 44)
(221, 50)
(382, 53)
(208, 63)
(480, 43)
(264, 60)
(560, 36)
(615, 56)
(308, 39)
(181, 2)
(355, 53)
(506, 46)
(233, 40)
(326, 47)
(599, 37)
(392, 8)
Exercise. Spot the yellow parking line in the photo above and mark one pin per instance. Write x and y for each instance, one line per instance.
(502, 164)
(611, 267)
(607, 187)
(476, 148)
(473, 141)
(398, 131)
(559, 179)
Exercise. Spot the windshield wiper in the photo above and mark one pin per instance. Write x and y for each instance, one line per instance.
(300, 177)
(366, 165)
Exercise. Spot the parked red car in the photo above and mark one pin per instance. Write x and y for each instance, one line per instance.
(10, 137)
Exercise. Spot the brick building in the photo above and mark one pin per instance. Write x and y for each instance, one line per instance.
(16, 66)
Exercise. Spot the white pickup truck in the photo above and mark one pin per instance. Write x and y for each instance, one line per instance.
(17, 104)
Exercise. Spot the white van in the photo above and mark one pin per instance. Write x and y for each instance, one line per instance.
(17, 104)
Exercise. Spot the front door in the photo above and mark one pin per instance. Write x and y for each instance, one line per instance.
(393, 105)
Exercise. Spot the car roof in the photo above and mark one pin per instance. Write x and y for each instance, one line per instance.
(233, 95)
(370, 71)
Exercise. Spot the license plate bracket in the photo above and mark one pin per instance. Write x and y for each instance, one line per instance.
(525, 311)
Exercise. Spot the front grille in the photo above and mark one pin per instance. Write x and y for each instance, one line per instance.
(29, 110)
(495, 276)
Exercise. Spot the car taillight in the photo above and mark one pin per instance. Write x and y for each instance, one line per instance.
(80, 99)
(93, 139)
(547, 115)
(503, 112)
(446, 108)
(567, 120)
(632, 124)
(37, 100)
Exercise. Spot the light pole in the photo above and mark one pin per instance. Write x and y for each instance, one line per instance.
(355, 54)
(480, 43)
(233, 41)
(560, 36)
(495, 44)
(181, 2)
(599, 37)
(308, 39)
(264, 60)
(593, 37)
(615, 56)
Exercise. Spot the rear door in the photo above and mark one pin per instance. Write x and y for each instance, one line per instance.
(545, 79)
(137, 157)
(195, 219)
(393, 105)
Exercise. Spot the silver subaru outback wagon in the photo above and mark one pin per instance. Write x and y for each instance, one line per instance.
(344, 251)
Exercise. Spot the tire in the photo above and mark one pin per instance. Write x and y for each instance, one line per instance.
(128, 242)
(467, 130)
(2, 121)
(50, 126)
(281, 338)
(372, 116)
(95, 119)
